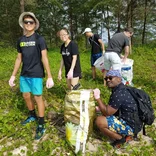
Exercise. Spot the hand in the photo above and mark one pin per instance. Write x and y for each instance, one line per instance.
(70, 74)
(103, 52)
(97, 108)
(60, 75)
(49, 83)
(11, 81)
(96, 93)
(121, 56)
(123, 60)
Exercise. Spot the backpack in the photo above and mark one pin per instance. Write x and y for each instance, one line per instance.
(145, 110)
(37, 36)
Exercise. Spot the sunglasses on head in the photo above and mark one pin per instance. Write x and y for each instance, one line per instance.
(28, 22)
(110, 78)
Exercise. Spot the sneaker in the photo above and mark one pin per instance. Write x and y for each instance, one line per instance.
(28, 120)
(119, 143)
(129, 138)
(40, 132)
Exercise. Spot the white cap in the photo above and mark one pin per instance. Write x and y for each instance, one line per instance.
(87, 30)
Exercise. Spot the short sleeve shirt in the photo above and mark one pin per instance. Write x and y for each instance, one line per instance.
(96, 47)
(117, 43)
(67, 55)
(30, 48)
(122, 100)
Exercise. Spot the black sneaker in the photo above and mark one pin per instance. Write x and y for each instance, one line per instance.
(40, 132)
(118, 143)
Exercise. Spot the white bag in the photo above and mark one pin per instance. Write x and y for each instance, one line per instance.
(127, 72)
(99, 63)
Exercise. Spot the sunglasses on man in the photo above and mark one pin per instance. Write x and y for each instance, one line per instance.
(109, 77)
(29, 22)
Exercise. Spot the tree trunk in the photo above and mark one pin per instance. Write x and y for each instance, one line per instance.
(22, 10)
(145, 20)
(108, 25)
(22, 6)
(119, 23)
(128, 14)
(130, 8)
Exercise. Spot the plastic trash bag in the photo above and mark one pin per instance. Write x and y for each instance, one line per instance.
(127, 72)
(79, 114)
(99, 63)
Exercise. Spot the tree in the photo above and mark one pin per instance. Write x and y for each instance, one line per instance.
(22, 5)
(50, 14)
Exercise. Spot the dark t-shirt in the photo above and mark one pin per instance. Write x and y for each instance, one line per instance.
(117, 43)
(96, 47)
(67, 55)
(122, 100)
(30, 48)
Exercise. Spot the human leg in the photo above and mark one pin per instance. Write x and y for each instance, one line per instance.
(92, 66)
(69, 83)
(41, 109)
(120, 127)
(37, 89)
(40, 130)
(102, 124)
(40, 105)
(93, 73)
(72, 82)
(94, 57)
(32, 114)
(115, 61)
(25, 89)
(28, 100)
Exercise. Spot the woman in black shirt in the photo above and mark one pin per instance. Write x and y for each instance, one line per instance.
(70, 59)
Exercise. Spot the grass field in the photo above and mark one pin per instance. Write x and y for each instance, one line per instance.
(13, 109)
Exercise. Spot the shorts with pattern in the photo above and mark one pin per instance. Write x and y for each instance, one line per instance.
(119, 126)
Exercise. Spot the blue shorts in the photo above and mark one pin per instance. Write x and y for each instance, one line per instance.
(118, 126)
(33, 85)
(94, 57)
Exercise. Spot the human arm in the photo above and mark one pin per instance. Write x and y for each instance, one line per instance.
(45, 61)
(16, 68)
(60, 70)
(102, 45)
(70, 73)
(126, 50)
(105, 109)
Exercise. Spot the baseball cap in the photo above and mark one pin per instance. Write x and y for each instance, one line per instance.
(87, 30)
(30, 14)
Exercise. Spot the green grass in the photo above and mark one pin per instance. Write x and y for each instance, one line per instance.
(13, 109)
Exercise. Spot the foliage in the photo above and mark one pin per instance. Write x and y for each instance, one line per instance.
(13, 110)
(103, 16)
